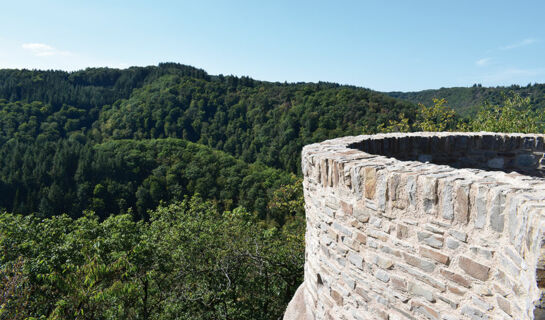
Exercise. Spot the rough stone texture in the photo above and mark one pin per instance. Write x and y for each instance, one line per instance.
(456, 235)
(473, 268)
(296, 309)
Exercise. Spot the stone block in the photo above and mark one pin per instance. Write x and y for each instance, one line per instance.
(349, 281)
(483, 305)
(332, 203)
(341, 228)
(398, 283)
(515, 257)
(457, 278)
(422, 277)
(329, 212)
(485, 253)
(354, 245)
(452, 244)
(363, 293)
(427, 187)
(397, 191)
(497, 205)
(504, 304)
(336, 296)
(370, 182)
(326, 240)
(525, 160)
(346, 208)
(372, 243)
(430, 239)
(435, 255)
(389, 250)
(446, 199)
(382, 315)
(402, 231)
(434, 229)
(482, 290)
(384, 263)
(462, 236)
(474, 313)
(452, 304)
(419, 263)
(381, 192)
(361, 238)
(333, 234)
(356, 259)
(420, 290)
(411, 190)
(375, 222)
(461, 203)
(360, 213)
(425, 310)
(480, 206)
(456, 290)
(508, 266)
(382, 236)
(473, 268)
(382, 275)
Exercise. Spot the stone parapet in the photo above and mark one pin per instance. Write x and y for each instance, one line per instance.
(425, 226)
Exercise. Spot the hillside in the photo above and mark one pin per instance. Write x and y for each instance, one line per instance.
(252, 120)
(116, 176)
(467, 100)
(160, 192)
(164, 192)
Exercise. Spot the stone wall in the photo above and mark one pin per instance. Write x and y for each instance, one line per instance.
(391, 237)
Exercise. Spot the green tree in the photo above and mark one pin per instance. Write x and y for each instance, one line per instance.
(400, 125)
(189, 261)
(515, 114)
(435, 118)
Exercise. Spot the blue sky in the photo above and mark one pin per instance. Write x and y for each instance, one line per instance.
(382, 45)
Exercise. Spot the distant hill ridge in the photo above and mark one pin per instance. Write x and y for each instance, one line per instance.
(252, 120)
(101, 86)
(466, 100)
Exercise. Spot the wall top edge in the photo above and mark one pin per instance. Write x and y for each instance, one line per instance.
(339, 150)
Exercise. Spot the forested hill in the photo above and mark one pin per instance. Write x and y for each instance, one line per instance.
(163, 192)
(160, 192)
(467, 100)
(252, 120)
(57, 133)
(92, 87)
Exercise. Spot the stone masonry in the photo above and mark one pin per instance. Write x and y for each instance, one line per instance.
(424, 226)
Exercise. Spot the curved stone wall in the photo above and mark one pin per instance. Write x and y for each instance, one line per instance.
(417, 226)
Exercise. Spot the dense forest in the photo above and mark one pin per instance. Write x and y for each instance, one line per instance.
(467, 100)
(163, 192)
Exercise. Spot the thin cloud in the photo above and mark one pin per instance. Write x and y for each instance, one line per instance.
(483, 62)
(511, 75)
(44, 50)
(523, 43)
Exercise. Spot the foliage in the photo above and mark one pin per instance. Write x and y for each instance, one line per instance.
(259, 121)
(515, 114)
(401, 125)
(180, 189)
(15, 287)
(188, 262)
(113, 177)
(466, 101)
(436, 118)
(252, 120)
(287, 202)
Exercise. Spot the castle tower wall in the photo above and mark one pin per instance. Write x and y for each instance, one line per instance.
(424, 226)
